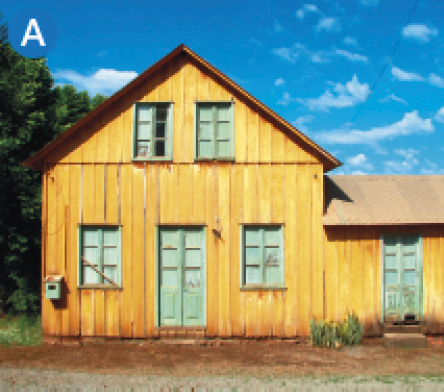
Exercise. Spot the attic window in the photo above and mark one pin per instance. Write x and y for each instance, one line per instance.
(152, 131)
(214, 130)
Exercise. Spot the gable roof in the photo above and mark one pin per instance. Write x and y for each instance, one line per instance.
(383, 200)
(35, 161)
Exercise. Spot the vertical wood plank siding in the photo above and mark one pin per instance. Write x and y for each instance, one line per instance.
(273, 180)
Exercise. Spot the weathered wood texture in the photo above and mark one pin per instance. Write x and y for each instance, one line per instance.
(353, 274)
(196, 194)
(108, 138)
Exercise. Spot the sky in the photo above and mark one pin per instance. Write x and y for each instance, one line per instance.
(316, 64)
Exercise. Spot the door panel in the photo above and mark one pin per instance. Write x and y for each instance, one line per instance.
(170, 282)
(192, 275)
(182, 259)
(402, 277)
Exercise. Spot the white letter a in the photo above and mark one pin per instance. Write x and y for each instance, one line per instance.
(38, 36)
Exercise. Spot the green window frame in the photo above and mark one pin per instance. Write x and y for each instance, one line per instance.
(214, 130)
(100, 246)
(152, 131)
(262, 255)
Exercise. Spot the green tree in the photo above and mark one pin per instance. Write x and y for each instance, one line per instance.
(28, 119)
(32, 113)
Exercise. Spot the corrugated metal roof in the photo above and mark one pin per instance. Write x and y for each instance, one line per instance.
(383, 200)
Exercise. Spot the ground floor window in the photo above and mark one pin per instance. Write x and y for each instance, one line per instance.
(99, 255)
(262, 256)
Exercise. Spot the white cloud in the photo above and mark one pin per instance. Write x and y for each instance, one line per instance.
(351, 41)
(432, 168)
(306, 9)
(347, 95)
(360, 161)
(351, 56)
(105, 81)
(300, 122)
(329, 25)
(439, 116)
(436, 80)
(279, 82)
(291, 54)
(404, 76)
(288, 54)
(406, 164)
(277, 26)
(411, 123)
(286, 99)
(393, 97)
(102, 53)
(369, 3)
(419, 32)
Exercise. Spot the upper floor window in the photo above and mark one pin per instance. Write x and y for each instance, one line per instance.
(214, 133)
(152, 130)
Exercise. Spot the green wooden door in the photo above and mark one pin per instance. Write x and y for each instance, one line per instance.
(182, 276)
(402, 277)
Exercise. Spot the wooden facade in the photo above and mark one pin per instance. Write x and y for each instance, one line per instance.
(276, 177)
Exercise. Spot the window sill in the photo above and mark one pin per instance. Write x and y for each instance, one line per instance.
(99, 287)
(260, 287)
(153, 159)
(222, 159)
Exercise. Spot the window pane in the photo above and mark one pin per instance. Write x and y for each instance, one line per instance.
(160, 148)
(390, 262)
(192, 258)
(143, 149)
(223, 148)
(110, 272)
(160, 129)
(272, 235)
(110, 237)
(252, 275)
(205, 113)
(90, 237)
(110, 256)
(253, 256)
(144, 131)
(252, 236)
(161, 113)
(223, 130)
(272, 256)
(143, 113)
(205, 131)
(91, 255)
(205, 148)
(192, 278)
(223, 112)
(89, 275)
(272, 275)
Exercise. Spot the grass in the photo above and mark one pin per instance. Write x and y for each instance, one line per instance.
(23, 330)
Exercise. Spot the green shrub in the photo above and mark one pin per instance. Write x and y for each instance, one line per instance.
(331, 334)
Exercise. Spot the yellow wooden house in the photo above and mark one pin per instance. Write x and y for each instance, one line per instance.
(183, 203)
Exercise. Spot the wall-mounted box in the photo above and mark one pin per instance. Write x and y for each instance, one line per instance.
(53, 285)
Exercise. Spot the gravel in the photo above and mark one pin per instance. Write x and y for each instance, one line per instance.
(20, 379)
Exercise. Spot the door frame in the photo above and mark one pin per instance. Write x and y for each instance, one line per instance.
(157, 269)
(420, 271)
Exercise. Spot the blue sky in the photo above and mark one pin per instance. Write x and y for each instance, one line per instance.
(314, 63)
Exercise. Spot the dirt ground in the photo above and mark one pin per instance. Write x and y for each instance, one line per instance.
(260, 358)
